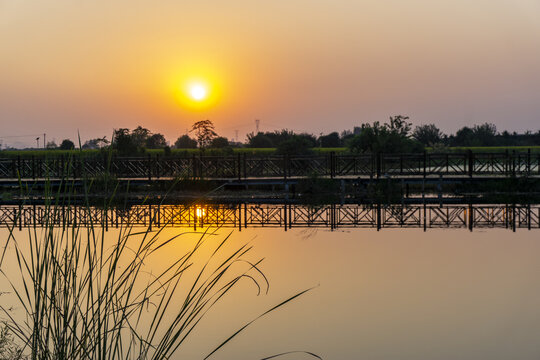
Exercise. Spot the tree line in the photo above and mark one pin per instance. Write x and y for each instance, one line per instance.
(395, 135)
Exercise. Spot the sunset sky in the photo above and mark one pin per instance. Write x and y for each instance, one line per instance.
(314, 66)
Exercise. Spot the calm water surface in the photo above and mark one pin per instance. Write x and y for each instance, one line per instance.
(393, 294)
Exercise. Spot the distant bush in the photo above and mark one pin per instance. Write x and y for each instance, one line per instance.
(296, 145)
(331, 140)
(156, 141)
(392, 137)
(67, 145)
(219, 142)
(260, 141)
(185, 142)
(427, 134)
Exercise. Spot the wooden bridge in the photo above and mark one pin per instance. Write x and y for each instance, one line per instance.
(242, 166)
(286, 216)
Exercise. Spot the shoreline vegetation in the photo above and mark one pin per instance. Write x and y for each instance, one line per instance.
(397, 135)
(248, 151)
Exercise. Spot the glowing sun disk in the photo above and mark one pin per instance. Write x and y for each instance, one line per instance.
(198, 92)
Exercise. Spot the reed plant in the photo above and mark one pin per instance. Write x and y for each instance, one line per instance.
(87, 295)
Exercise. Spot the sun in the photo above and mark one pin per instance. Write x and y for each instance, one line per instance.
(198, 92)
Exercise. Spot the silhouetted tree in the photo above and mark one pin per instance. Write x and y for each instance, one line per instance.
(204, 131)
(346, 135)
(427, 134)
(311, 139)
(67, 145)
(219, 142)
(392, 137)
(185, 142)
(51, 145)
(463, 137)
(139, 136)
(295, 145)
(484, 135)
(96, 143)
(123, 142)
(398, 124)
(156, 141)
(329, 141)
(259, 141)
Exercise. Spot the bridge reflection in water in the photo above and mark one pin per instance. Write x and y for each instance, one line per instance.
(287, 216)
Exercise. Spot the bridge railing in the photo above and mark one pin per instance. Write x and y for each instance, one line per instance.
(281, 215)
(242, 166)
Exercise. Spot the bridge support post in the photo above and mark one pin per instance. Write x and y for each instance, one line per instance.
(425, 217)
(285, 216)
(528, 162)
(149, 167)
(245, 165)
(342, 188)
(378, 216)
(513, 163)
(513, 217)
(425, 163)
(19, 170)
(471, 162)
(239, 167)
(471, 217)
(285, 167)
(379, 161)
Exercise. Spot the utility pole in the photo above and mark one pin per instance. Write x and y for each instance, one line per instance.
(37, 142)
(44, 142)
(257, 122)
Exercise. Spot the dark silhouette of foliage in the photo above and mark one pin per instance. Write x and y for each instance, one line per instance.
(295, 145)
(123, 142)
(67, 145)
(136, 141)
(204, 132)
(219, 142)
(139, 136)
(392, 137)
(185, 142)
(347, 135)
(463, 137)
(485, 134)
(259, 141)
(156, 141)
(478, 135)
(51, 145)
(276, 138)
(427, 134)
(398, 124)
(331, 140)
(96, 143)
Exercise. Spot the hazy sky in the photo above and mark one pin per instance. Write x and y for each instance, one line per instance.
(312, 65)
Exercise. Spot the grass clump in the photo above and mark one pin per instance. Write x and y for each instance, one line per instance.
(8, 348)
(85, 295)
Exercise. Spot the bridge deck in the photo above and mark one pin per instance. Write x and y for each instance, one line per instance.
(274, 167)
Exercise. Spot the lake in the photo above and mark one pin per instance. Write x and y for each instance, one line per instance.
(397, 293)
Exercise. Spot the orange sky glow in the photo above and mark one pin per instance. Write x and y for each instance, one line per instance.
(314, 66)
